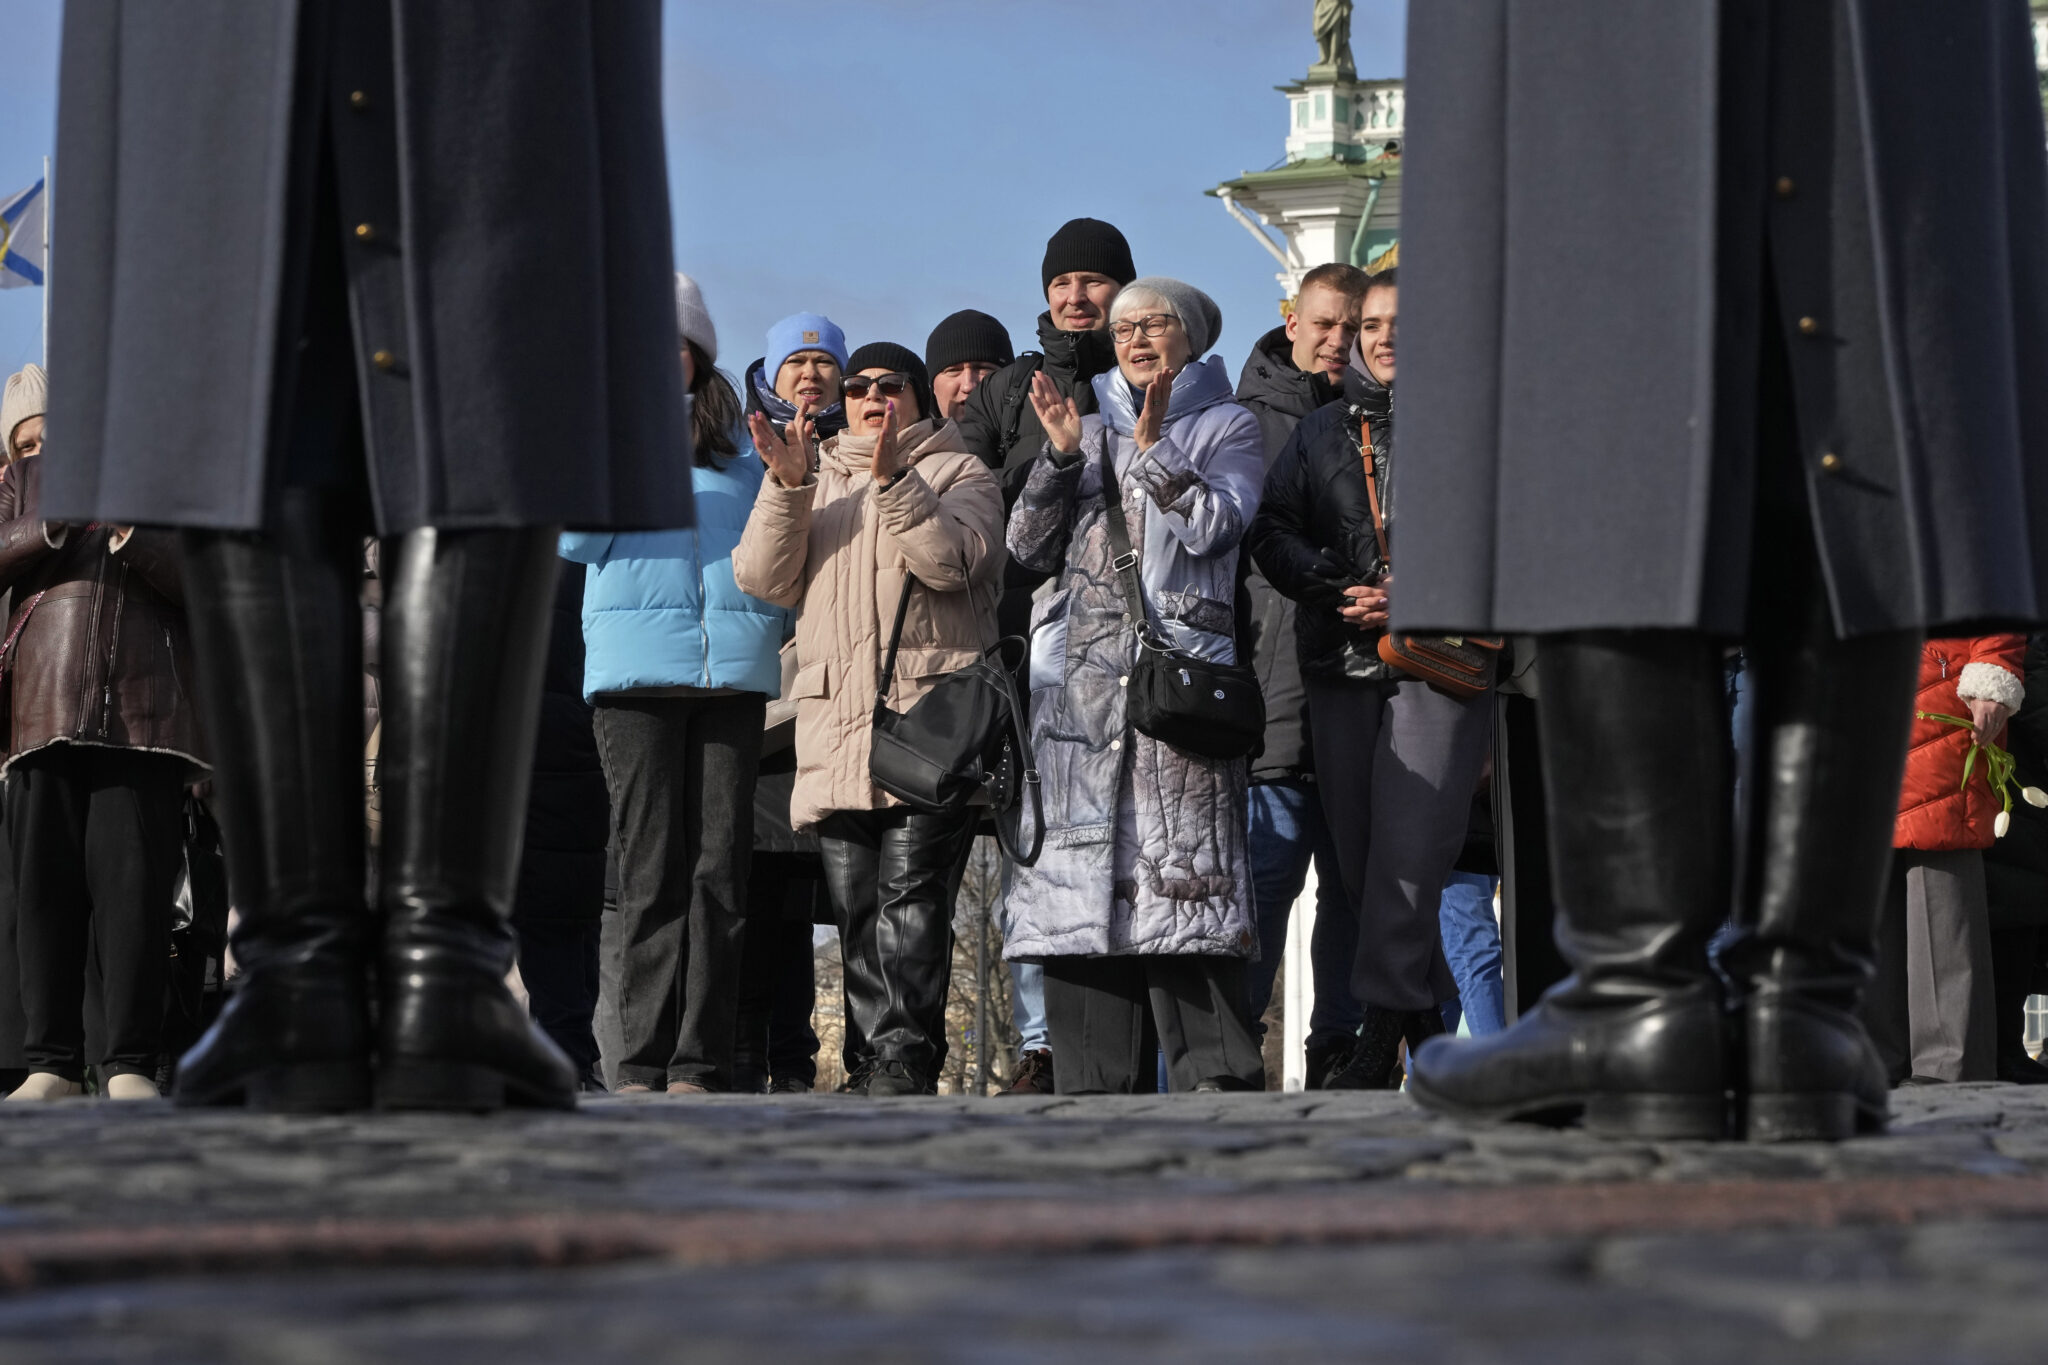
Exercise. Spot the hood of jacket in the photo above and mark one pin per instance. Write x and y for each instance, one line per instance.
(1202, 384)
(778, 410)
(1080, 354)
(1272, 380)
(1367, 395)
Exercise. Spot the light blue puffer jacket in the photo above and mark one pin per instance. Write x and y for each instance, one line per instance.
(660, 608)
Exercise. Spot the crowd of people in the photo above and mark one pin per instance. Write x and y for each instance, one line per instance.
(870, 520)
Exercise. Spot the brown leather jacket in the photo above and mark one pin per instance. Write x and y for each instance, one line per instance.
(96, 649)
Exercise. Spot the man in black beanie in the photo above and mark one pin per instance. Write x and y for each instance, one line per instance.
(1087, 263)
(962, 352)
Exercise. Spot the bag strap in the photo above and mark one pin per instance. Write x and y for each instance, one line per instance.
(1372, 490)
(1013, 406)
(1125, 563)
(886, 677)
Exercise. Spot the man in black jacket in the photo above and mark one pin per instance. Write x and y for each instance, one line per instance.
(1087, 263)
(1293, 370)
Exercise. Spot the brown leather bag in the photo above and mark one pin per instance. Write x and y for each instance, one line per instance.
(1462, 665)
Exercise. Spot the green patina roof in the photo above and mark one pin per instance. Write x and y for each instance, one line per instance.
(1321, 168)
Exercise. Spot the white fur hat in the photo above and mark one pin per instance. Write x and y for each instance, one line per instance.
(28, 395)
(693, 320)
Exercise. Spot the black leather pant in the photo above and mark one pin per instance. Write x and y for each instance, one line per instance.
(893, 875)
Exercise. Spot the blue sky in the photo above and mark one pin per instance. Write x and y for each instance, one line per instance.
(888, 161)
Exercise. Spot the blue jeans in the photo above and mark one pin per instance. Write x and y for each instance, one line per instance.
(1287, 830)
(1027, 1006)
(1472, 947)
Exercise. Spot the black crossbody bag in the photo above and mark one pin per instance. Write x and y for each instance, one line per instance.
(1209, 709)
(964, 738)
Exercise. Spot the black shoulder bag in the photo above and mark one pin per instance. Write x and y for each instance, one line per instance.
(1209, 709)
(964, 738)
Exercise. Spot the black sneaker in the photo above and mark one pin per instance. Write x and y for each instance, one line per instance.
(789, 1085)
(1326, 1059)
(890, 1078)
(1034, 1074)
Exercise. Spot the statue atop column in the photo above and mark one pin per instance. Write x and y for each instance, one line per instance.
(1333, 39)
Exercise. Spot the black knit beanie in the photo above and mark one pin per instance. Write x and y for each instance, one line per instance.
(1087, 244)
(887, 355)
(967, 335)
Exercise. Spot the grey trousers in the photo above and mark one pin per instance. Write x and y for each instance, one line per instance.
(1397, 768)
(1931, 1010)
(1108, 1017)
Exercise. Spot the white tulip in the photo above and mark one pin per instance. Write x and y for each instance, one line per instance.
(2035, 796)
(2001, 824)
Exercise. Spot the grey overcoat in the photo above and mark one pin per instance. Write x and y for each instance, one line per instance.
(1600, 197)
(499, 181)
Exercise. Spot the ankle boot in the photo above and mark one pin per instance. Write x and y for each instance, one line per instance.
(1638, 776)
(465, 636)
(1375, 1053)
(277, 633)
(1832, 719)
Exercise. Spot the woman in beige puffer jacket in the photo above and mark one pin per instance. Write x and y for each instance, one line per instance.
(894, 496)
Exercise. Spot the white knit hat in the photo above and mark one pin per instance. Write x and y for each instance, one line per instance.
(28, 395)
(693, 320)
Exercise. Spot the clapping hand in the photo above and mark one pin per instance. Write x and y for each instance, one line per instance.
(787, 456)
(1058, 415)
(1158, 393)
(883, 467)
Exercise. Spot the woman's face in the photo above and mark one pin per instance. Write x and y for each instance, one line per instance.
(28, 437)
(812, 375)
(867, 412)
(689, 370)
(1142, 356)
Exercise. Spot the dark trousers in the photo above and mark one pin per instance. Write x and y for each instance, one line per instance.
(778, 975)
(893, 875)
(1111, 1016)
(558, 964)
(1397, 768)
(13, 1069)
(96, 835)
(681, 773)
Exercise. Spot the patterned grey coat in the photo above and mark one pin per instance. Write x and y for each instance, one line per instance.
(1145, 844)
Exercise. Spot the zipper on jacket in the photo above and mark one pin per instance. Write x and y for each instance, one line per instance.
(113, 652)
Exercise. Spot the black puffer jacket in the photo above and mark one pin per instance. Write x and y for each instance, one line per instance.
(1280, 395)
(1000, 425)
(1313, 536)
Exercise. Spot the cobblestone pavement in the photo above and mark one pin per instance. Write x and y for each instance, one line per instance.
(1233, 1227)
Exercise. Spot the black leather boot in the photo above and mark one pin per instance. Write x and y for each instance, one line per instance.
(277, 630)
(465, 634)
(1638, 773)
(1831, 721)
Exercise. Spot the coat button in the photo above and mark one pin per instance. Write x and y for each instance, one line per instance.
(358, 100)
(1115, 744)
(1124, 681)
(1784, 188)
(386, 361)
(366, 232)
(1831, 463)
(1808, 326)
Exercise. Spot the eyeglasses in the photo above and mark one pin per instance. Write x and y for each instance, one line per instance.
(1153, 326)
(888, 385)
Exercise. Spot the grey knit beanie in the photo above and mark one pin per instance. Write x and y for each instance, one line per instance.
(1199, 316)
(28, 395)
(693, 319)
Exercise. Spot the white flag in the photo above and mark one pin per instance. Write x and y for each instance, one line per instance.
(23, 241)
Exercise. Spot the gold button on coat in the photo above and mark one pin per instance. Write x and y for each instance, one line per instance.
(358, 100)
(384, 360)
(1784, 187)
(1831, 463)
(366, 232)
(1808, 326)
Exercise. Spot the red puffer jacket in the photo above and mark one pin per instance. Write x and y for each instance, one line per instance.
(1936, 812)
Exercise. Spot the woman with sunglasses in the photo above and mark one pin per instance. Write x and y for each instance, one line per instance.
(1140, 906)
(894, 499)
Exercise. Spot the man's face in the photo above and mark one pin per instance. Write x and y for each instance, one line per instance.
(951, 385)
(1376, 332)
(812, 375)
(1080, 300)
(28, 437)
(1322, 327)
